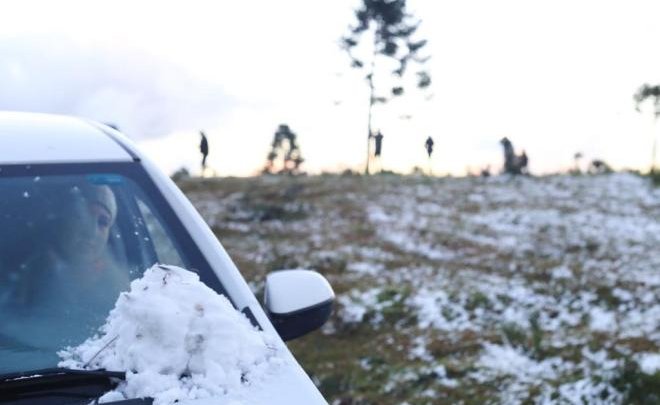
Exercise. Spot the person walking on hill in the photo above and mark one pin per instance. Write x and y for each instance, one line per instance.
(429, 146)
(523, 161)
(429, 150)
(379, 144)
(378, 141)
(204, 149)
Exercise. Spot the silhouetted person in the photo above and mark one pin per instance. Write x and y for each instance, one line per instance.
(509, 156)
(429, 146)
(204, 149)
(599, 166)
(379, 143)
(576, 158)
(429, 150)
(513, 164)
(523, 160)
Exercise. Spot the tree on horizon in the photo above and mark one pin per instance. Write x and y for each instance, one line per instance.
(391, 29)
(284, 149)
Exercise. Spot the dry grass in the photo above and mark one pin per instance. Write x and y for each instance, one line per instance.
(400, 236)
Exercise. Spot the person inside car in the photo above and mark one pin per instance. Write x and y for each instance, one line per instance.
(59, 280)
(71, 253)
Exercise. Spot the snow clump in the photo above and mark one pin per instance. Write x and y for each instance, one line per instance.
(177, 339)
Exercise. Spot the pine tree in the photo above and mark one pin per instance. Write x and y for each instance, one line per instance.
(392, 29)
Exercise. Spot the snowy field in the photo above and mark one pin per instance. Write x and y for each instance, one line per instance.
(529, 290)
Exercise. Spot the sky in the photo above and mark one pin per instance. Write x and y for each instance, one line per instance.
(554, 77)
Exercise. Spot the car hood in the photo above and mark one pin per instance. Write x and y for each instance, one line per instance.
(290, 386)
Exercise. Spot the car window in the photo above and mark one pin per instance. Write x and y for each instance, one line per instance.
(69, 245)
(163, 244)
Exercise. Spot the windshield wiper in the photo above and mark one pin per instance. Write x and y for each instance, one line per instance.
(59, 386)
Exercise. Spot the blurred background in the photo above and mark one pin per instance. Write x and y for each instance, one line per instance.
(555, 78)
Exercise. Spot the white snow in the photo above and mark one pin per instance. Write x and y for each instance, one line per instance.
(355, 306)
(583, 391)
(365, 268)
(561, 272)
(602, 320)
(177, 339)
(649, 363)
(507, 360)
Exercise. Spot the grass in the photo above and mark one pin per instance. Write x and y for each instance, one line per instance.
(329, 223)
(655, 177)
(640, 388)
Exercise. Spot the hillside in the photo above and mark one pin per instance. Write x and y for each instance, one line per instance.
(470, 290)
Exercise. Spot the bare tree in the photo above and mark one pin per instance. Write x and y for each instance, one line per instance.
(392, 29)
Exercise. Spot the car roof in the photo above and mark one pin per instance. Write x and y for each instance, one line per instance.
(45, 138)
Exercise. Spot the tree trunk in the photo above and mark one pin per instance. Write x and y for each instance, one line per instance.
(655, 137)
(653, 149)
(371, 105)
(370, 78)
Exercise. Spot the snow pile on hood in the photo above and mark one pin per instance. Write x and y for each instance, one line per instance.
(177, 339)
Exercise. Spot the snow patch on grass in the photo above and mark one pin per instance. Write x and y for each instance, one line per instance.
(649, 363)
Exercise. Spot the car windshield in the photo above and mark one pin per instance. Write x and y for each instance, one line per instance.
(72, 237)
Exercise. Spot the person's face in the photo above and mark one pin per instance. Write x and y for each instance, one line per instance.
(85, 234)
(101, 220)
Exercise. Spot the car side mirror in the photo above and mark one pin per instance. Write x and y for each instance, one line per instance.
(297, 301)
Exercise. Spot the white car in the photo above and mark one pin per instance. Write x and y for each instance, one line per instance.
(76, 192)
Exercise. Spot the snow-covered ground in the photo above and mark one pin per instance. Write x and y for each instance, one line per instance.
(469, 290)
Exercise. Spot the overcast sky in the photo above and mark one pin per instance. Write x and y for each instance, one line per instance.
(555, 77)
